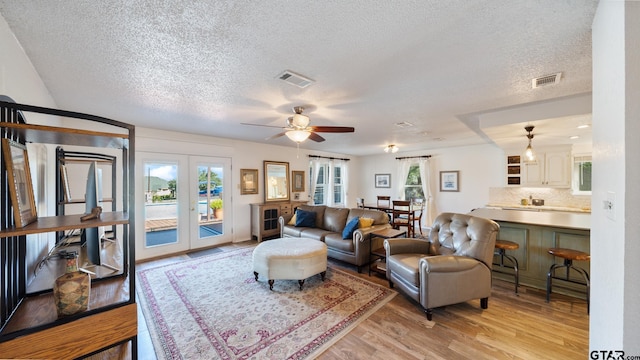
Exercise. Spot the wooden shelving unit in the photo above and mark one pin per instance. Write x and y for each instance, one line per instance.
(29, 325)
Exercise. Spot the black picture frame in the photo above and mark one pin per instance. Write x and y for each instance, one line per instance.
(383, 180)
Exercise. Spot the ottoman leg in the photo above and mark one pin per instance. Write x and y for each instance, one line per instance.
(256, 275)
(301, 282)
(322, 275)
(270, 284)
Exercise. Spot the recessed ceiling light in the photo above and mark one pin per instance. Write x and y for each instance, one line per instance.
(583, 126)
(574, 137)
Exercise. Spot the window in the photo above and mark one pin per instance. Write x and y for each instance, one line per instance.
(413, 184)
(329, 181)
(581, 174)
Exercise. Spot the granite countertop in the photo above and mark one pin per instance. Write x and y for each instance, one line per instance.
(538, 208)
(560, 219)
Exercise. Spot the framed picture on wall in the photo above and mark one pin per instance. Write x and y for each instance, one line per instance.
(383, 180)
(248, 181)
(449, 181)
(297, 184)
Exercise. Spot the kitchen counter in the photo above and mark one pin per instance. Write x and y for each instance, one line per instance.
(538, 208)
(557, 219)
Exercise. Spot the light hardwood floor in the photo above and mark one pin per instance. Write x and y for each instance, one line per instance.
(514, 326)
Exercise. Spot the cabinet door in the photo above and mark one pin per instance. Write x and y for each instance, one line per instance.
(557, 171)
(533, 172)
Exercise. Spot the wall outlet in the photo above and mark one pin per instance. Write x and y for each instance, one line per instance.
(610, 205)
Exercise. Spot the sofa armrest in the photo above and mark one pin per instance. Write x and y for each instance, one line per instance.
(362, 234)
(284, 220)
(406, 246)
(447, 263)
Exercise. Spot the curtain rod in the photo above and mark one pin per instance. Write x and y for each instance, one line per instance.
(325, 157)
(414, 157)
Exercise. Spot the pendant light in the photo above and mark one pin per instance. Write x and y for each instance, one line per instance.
(529, 155)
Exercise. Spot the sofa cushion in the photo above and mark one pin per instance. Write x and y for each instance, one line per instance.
(293, 220)
(314, 233)
(305, 218)
(351, 226)
(319, 210)
(335, 241)
(365, 222)
(335, 219)
(379, 217)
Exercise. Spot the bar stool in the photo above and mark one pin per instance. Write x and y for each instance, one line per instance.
(500, 249)
(568, 255)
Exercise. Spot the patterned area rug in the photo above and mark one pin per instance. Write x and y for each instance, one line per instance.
(212, 308)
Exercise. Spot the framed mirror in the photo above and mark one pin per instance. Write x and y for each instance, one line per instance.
(276, 181)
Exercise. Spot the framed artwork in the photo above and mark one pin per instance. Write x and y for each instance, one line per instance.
(383, 180)
(297, 183)
(248, 181)
(449, 181)
(21, 187)
(276, 181)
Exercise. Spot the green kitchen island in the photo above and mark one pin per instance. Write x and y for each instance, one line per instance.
(535, 232)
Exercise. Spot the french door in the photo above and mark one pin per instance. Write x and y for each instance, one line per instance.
(184, 199)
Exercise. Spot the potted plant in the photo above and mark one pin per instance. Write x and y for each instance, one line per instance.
(216, 205)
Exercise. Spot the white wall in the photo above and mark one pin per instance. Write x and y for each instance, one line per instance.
(615, 310)
(243, 155)
(20, 81)
(481, 167)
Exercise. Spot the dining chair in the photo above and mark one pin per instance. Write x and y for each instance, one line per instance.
(403, 216)
(384, 200)
(360, 202)
(418, 207)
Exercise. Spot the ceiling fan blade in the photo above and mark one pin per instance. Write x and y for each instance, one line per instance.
(276, 136)
(315, 137)
(271, 126)
(332, 129)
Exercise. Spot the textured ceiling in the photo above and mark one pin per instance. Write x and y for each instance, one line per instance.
(206, 67)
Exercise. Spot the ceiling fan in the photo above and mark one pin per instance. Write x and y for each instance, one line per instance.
(298, 128)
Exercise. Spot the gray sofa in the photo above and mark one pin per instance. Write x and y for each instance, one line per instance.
(330, 222)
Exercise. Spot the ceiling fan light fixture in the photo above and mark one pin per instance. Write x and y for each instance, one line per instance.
(299, 121)
(298, 135)
(391, 149)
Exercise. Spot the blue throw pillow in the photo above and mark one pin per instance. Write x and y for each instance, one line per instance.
(305, 218)
(351, 226)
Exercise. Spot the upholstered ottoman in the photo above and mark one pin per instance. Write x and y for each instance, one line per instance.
(290, 259)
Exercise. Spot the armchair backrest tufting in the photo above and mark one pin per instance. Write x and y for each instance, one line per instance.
(464, 235)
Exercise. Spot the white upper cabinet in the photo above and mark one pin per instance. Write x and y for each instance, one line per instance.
(552, 169)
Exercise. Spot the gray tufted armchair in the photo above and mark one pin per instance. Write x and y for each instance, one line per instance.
(453, 266)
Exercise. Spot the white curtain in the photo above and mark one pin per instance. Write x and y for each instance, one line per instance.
(403, 171)
(345, 182)
(313, 177)
(429, 206)
(318, 163)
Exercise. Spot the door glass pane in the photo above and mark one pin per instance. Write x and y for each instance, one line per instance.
(210, 205)
(160, 206)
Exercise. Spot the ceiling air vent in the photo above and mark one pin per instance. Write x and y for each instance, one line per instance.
(546, 80)
(295, 79)
(403, 124)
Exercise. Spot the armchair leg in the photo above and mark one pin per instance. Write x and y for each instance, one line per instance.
(484, 303)
(390, 284)
(429, 313)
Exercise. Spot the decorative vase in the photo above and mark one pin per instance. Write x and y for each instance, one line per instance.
(71, 291)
